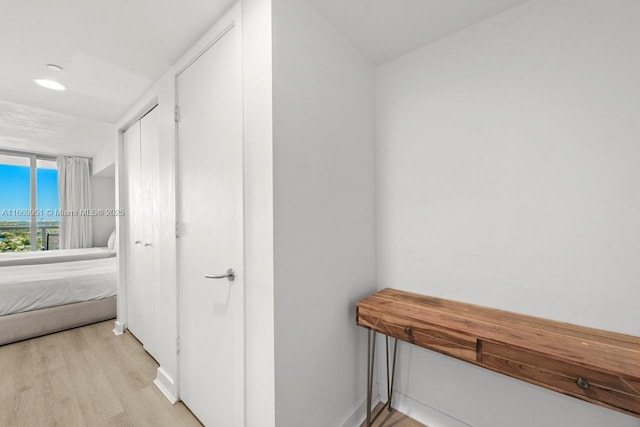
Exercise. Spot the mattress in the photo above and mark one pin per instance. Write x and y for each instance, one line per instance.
(31, 287)
(49, 257)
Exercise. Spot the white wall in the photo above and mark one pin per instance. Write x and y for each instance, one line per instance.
(258, 214)
(103, 196)
(104, 161)
(508, 176)
(324, 228)
(103, 192)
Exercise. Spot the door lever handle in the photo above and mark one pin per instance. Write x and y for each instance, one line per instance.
(230, 275)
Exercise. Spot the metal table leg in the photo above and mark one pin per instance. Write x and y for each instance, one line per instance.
(371, 344)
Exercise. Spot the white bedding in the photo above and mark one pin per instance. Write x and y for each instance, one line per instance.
(49, 257)
(31, 287)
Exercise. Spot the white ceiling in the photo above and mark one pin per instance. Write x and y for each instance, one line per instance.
(25, 128)
(113, 50)
(386, 29)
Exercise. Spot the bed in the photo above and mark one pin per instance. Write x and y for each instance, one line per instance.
(55, 291)
(49, 257)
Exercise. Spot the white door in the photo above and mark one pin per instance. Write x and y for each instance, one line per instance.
(210, 171)
(140, 155)
(144, 262)
(131, 145)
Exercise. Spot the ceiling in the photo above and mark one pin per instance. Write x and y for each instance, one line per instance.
(32, 129)
(113, 50)
(386, 29)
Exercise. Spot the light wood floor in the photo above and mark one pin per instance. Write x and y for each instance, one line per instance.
(393, 419)
(89, 377)
(83, 377)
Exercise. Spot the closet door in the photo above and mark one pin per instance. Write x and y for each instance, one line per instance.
(145, 262)
(134, 233)
(141, 166)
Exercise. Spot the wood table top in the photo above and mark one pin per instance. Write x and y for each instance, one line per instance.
(611, 352)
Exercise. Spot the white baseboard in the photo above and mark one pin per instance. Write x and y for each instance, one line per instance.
(419, 411)
(424, 413)
(118, 328)
(166, 385)
(360, 413)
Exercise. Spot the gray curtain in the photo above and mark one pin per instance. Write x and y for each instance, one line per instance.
(74, 189)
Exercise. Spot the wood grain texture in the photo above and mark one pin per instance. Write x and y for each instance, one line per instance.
(83, 377)
(543, 352)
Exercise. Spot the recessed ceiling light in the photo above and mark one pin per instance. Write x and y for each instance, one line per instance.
(54, 67)
(49, 84)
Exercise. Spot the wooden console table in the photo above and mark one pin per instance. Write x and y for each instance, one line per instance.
(598, 366)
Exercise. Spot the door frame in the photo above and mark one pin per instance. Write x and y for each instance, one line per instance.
(230, 20)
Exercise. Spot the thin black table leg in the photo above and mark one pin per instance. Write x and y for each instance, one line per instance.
(393, 372)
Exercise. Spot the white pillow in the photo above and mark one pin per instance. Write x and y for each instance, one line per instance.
(111, 243)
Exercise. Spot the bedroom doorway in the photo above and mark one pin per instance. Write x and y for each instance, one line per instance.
(210, 233)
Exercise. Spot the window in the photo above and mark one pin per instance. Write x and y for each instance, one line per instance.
(48, 204)
(29, 205)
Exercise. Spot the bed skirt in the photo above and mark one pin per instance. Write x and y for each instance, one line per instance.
(31, 324)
